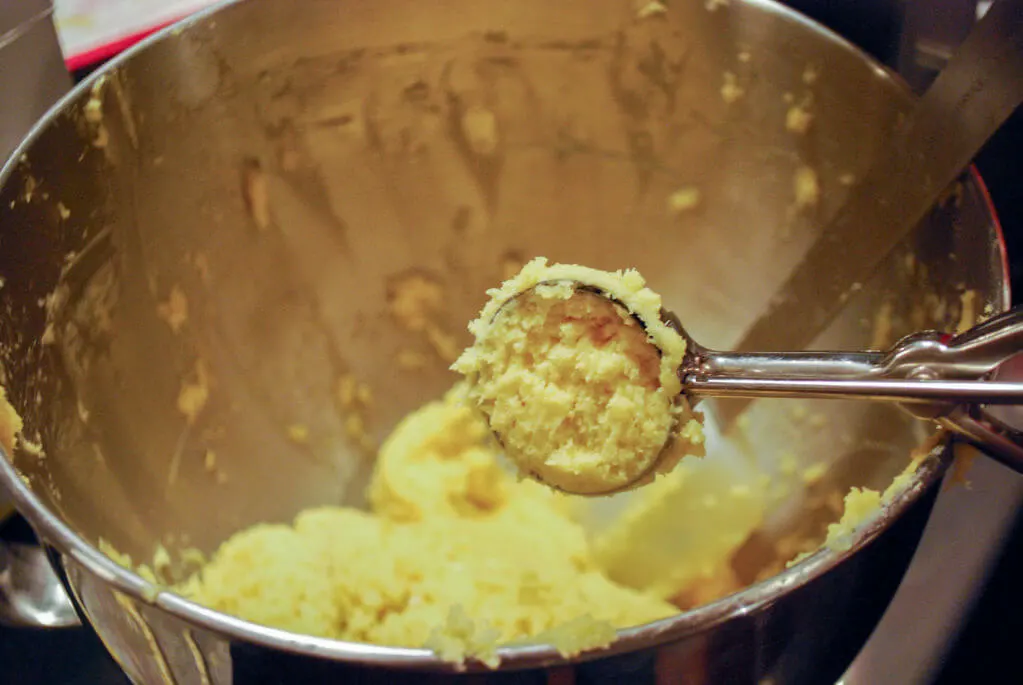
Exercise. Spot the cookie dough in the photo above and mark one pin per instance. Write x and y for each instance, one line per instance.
(455, 554)
(578, 377)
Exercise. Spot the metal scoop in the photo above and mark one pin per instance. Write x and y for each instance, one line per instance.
(951, 379)
(940, 377)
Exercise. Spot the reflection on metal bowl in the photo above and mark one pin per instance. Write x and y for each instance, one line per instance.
(283, 172)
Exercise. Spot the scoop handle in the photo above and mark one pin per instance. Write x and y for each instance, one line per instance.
(959, 380)
(926, 392)
(924, 367)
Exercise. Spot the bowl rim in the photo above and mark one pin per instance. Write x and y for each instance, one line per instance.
(56, 533)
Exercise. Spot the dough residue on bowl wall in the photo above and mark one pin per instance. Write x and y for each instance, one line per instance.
(10, 423)
(415, 300)
(862, 506)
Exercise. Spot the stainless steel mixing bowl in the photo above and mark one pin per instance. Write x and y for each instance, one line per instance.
(288, 169)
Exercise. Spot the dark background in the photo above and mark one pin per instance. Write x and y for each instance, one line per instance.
(985, 652)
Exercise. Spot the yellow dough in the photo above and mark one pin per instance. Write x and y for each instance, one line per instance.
(455, 554)
(581, 388)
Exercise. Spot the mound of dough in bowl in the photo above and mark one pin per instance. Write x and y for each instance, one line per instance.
(456, 555)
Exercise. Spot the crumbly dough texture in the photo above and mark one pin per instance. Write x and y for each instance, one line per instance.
(455, 554)
(10, 424)
(582, 395)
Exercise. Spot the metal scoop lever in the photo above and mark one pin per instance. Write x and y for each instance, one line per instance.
(879, 390)
(881, 376)
(935, 376)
